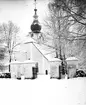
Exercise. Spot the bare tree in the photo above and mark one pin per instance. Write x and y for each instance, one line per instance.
(75, 8)
(2, 56)
(66, 27)
(57, 25)
(8, 33)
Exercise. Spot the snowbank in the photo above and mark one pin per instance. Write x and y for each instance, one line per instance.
(72, 58)
(43, 92)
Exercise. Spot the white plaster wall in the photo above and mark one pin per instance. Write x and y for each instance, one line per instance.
(15, 68)
(28, 70)
(72, 71)
(26, 49)
(22, 69)
(73, 62)
(19, 56)
(37, 56)
(23, 53)
(46, 65)
(56, 70)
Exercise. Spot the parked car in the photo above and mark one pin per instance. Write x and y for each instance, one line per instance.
(80, 73)
(5, 75)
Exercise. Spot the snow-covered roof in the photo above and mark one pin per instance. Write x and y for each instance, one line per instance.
(47, 53)
(72, 58)
(44, 49)
(29, 61)
(13, 62)
(28, 40)
(24, 62)
(51, 59)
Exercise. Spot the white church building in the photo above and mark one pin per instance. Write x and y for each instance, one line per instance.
(30, 53)
(30, 50)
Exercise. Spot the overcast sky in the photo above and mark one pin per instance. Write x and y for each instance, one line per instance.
(21, 12)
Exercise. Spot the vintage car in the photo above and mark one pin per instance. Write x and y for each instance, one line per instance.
(80, 73)
(5, 75)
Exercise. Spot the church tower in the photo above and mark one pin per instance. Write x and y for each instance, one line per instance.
(35, 26)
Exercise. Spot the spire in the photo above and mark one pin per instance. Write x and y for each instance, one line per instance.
(35, 15)
(35, 27)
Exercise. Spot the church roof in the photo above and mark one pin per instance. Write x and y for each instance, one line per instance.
(48, 53)
(28, 40)
(51, 59)
(19, 62)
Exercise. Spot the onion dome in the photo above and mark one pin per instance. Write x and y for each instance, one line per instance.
(36, 27)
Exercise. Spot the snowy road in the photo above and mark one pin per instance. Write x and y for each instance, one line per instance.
(43, 92)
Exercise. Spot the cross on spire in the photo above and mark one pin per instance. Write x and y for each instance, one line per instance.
(35, 3)
(35, 16)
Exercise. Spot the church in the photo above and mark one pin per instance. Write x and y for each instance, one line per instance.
(33, 50)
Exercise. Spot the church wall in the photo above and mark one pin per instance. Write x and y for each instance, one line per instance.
(46, 65)
(37, 56)
(23, 52)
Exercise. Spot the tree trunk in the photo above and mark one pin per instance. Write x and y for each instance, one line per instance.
(60, 53)
(9, 61)
(56, 54)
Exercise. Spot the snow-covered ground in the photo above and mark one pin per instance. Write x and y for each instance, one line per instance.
(43, 91)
